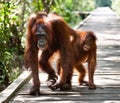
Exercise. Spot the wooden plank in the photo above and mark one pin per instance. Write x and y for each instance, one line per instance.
(102, 19)
(96, 17)
(6, 95)
(104, 84)
(68, 101)
(87, 97)
(74, 97)
(76, 89)
(76, 94)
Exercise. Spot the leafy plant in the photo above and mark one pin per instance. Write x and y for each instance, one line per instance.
(8, 26)
(69, 9)
(116, 6)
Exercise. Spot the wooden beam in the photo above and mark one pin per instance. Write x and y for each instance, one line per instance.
(10, 91)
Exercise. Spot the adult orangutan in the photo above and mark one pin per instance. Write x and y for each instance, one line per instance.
(84, 50)
(48, 33)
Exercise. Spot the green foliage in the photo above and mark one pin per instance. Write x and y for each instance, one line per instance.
(116, 6)
(69, 9)
(7, 21)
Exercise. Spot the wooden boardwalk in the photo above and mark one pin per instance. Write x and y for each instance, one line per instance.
(106, 25)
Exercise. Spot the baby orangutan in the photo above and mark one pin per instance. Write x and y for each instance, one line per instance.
(84, 50)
